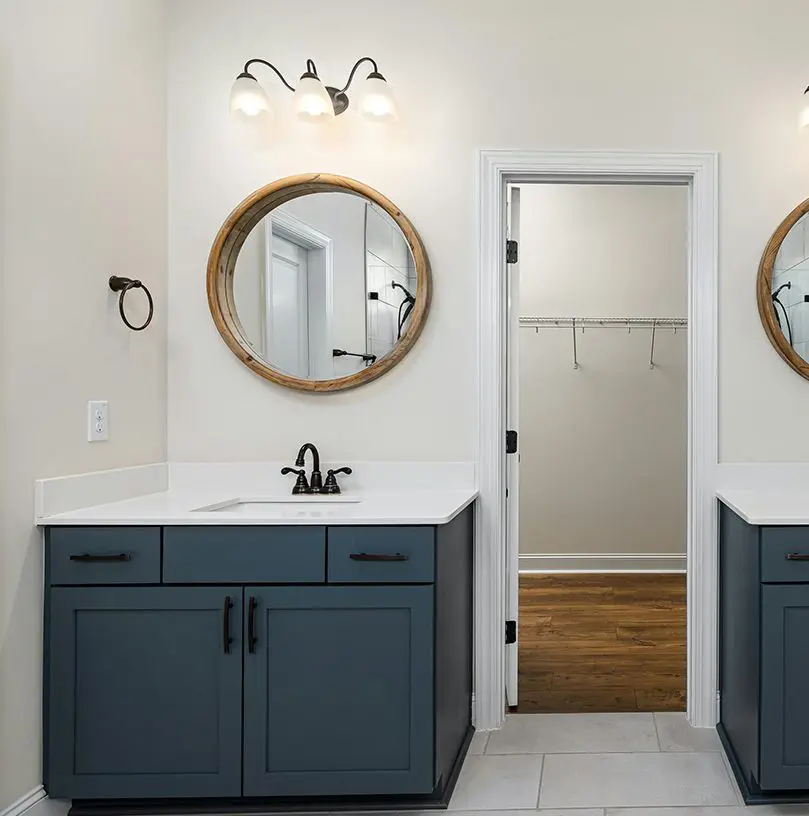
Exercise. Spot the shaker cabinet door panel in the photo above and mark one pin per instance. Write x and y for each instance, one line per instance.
(338, 695)
(785, 688)
(144, 692)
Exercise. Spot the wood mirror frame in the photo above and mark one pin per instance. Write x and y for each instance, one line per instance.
(766, 307)
(222, 266)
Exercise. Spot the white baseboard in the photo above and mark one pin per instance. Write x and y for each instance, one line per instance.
(65, 493)
(607, 562)
(37, 803)
(25, 802)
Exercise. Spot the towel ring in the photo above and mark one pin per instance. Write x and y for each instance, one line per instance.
(123, 285)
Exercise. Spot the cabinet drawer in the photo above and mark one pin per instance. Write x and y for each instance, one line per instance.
(244, 555)
(381, 555)
(103, 555)
(785, 555)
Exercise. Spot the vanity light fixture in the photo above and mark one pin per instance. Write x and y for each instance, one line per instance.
(312, 100)
(803, 119)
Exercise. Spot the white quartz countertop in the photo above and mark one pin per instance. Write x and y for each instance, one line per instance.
(773, 507)
(179, 507)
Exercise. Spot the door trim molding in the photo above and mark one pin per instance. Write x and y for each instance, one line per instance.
(700, 171)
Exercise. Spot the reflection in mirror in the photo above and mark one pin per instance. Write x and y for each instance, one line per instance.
(790, 287)
(324, 286)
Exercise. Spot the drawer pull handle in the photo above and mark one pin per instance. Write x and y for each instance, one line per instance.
(378, 557)
(251, 625)
(797, 556)
(89, 558)
(226, 638)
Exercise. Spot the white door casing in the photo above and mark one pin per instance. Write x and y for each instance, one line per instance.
(498, 168)
(287, 307)
(320, 286)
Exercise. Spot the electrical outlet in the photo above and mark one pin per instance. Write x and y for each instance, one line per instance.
(97, 428)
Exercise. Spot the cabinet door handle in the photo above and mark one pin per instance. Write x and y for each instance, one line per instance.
(226, 638)
(89, 558)
(251, 625)
(797, 556)
(378, 557)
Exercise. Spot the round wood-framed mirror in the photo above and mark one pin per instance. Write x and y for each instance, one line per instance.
(783, 289)
(319, 283)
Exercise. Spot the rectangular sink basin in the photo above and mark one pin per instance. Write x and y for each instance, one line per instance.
(253, 504)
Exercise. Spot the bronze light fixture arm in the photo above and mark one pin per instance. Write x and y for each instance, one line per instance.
(246, 73)
(354, 71)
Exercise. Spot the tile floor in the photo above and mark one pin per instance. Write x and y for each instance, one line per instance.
(600, 765)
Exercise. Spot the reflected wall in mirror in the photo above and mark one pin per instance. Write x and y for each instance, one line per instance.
(783, 289)
(324, 274)
(318, 283)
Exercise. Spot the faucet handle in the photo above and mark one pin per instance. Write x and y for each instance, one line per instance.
(301, 485)
(331, 485)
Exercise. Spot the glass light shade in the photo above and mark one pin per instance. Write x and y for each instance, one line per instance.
(803, 119)
(376, 101)
(247, 98)
(311, 100)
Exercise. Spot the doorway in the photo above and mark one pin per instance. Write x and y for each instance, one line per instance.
(598, 394)
(496, 568)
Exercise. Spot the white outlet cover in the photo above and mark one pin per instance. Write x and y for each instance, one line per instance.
(97, 421)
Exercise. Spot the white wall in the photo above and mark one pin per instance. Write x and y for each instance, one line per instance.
(82, 196)
(603, 449)
(536, 74)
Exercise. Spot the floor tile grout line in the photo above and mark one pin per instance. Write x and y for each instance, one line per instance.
(657, 732)
(541, 774)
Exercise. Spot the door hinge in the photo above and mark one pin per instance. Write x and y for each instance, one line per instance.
(511, 441)
(511, 632)
(512, 251)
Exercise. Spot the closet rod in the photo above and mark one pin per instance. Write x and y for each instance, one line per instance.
(606, 322)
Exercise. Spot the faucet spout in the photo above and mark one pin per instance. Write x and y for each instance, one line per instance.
(316, 480)
(299, 462)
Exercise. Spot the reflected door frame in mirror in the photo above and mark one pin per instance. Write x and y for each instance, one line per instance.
(222, 267)
(764, 287)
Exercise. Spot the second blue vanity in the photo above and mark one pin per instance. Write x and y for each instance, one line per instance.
(244, 667)
(764, 642)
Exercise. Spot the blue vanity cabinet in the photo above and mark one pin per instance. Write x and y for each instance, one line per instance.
(231, 667)
(338, 691)
(143, 694)
(764, 657)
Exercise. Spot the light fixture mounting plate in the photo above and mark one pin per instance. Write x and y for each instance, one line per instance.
(339, 99)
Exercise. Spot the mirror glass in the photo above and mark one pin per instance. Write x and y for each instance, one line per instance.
(324, 286)
(790, 287)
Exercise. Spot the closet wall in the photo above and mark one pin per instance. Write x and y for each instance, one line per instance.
(603, 448)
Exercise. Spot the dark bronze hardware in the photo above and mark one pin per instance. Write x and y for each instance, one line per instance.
(797, 556)
(330, 487)
(368, 359)
(226, 638)
(123, 285)
(378, 557)
(251, 625)
(88, 558)
(301, 484)
(316, 481)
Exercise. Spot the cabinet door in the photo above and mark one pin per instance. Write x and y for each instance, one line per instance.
(144, 695)
(785, 688)
(338, 695)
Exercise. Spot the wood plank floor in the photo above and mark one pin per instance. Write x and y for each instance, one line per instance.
(602, 642)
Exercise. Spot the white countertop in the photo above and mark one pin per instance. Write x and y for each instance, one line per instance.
(435, 506)
(757, 506)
